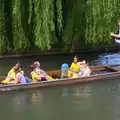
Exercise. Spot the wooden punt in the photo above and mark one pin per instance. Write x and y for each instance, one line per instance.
(98, 73)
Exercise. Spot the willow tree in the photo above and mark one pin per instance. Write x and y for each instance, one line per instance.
(4, 44)
(20, 40)
(59, 16)
(30, 10)
(101, 18)
(74, 27)
(44, 29)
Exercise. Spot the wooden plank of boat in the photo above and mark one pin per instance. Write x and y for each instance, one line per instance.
(105, 76)
(115, 68)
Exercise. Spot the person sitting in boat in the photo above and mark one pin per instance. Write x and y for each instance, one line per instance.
(75, 75)
(74, 68)
(43, 74)
(85, 71)
(31, 67)
(64, 71)
(34, 73)
(11, 75)
(19, 77)
(36, 76)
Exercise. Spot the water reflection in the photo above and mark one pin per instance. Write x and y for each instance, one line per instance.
(82, 91)
(78, 94)
(65, 92)
(36, 97)
(22, 98)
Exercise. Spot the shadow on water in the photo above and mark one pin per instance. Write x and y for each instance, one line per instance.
(94, 101)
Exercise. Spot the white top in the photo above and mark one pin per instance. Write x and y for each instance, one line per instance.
(22, 78)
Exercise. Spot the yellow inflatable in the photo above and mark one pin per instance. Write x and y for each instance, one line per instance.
(49, 78)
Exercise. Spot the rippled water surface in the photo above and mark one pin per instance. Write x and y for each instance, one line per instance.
(92, 101)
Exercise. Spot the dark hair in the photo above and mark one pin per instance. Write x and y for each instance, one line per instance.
(17, 68)
(18, 64)
(75, 56)
(31, 67)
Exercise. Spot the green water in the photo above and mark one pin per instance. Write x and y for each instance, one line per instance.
(92, 101)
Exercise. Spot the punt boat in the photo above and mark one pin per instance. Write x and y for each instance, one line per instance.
(98, 73)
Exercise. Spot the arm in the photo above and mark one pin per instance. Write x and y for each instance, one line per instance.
(114, 35)
(71, 67)
(43, 73)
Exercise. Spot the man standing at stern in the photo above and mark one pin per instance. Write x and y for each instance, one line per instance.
(116, 37)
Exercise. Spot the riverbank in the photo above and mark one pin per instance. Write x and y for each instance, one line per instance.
(60, 52)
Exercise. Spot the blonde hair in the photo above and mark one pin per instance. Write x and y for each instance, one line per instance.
(84, 62)
(37, 70)
(37, 63)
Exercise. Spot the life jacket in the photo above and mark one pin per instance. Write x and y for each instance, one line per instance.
(22, 71)
(49, 78)
(33, 75)
(64, 70)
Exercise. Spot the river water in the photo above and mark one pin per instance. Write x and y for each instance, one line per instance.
(90, 101)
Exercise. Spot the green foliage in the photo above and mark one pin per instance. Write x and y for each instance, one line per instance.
(44, 24)
(30, 11)
(74, 27)
(20, 40)
(4, 44)
(59, 16)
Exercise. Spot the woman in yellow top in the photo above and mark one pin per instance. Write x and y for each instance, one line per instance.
(11, 75)
(35, 75)
(43, 74)
(74, 69)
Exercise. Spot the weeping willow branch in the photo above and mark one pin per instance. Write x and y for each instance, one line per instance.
(30, 11)
(44, 24)
(4, 44)
(74, 27)
(59, 16)
(20, 41)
